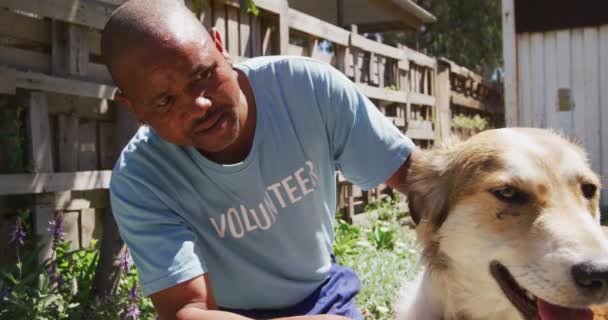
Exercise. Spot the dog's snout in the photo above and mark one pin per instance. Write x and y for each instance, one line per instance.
(591, 278)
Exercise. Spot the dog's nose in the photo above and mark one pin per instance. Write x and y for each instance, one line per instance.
(591, 278)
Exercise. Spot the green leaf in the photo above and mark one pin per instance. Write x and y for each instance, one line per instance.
(248, 6)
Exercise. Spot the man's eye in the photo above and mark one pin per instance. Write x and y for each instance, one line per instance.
(165, 102)
(204, 74)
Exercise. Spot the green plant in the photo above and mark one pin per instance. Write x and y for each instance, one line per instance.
(466, 122)
(59, 287)
(15, 140)
(383, 255)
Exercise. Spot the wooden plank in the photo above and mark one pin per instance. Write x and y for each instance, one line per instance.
(67, 135)
(443, 126)
(206, 17)
(19, 26)
(54, 182)
(373, 69)
(509, 44)
(340, 58)
(283, 35)
(269, 38)
(256, 37)
(70, 222)
(245, 49)
(525, 81)
(363, 43)
(318, 28)
(39, 81)
(39, 132)
(87, 224)
(396, 95)
(420, 130)
(107, 145)
(578, 84)
(603, 69)
(7, 81)
(25, 59)
(232, 35)
(295, 50)
(419, 58)
(78, 200)
(95, 41)
(43, 213)
(273, 6)
(86, 13)
(69, 49)
(550, 84)
(219, 19)
(537, 103)
(80, 107)
(42, 161)
(592, 108)
(564, 78)
(87, 146)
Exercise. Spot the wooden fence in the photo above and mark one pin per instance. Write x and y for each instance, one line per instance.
(61, 131)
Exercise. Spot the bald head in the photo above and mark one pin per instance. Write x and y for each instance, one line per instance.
(144, 25)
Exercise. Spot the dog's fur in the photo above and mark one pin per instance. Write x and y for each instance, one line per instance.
(462, 225)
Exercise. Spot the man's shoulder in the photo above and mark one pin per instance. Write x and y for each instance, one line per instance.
(292, 64)
(144, 146)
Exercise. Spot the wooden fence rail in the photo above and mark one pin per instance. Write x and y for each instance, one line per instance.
(56, 97)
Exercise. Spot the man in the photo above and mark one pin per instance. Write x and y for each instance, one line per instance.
(226, 196)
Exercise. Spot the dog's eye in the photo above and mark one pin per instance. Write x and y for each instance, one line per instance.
(589, 190)
(510, 194)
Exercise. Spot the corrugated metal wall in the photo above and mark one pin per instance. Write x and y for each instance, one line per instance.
(574, 62)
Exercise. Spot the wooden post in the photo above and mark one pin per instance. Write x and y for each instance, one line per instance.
(42, 161)
(283, 27)
(509, 37)
(444, 115)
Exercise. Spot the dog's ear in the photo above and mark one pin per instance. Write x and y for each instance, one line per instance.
(429, 185)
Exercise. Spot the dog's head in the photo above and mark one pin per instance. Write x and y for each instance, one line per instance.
(518, 210)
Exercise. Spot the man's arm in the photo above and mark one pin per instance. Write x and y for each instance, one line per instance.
(194, 300)
(398, 180)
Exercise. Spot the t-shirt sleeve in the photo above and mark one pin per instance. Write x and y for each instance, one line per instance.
(164, 250)
(367, 147)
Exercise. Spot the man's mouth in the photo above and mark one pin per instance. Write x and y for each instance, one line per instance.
(530, 306)
(209, 122)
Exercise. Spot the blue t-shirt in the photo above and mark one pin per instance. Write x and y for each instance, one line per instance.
(261, 228)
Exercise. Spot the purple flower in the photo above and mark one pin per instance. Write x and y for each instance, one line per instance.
(56, 231)
(4, 293)
(126, 262)
(134, 292)
(17, 234)
(132, 312)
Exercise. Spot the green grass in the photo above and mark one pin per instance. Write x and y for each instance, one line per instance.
(383, 254)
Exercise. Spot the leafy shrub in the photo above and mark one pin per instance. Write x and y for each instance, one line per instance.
(59, 288)
(466, 122)
(383, 254)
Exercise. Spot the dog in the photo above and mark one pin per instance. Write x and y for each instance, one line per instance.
(508, 224)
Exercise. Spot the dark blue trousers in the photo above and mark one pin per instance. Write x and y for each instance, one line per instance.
(335, 296)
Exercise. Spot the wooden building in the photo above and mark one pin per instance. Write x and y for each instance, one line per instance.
(556, 71)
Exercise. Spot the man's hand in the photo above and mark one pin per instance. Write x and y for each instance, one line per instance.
(398, 180)
(194, 300)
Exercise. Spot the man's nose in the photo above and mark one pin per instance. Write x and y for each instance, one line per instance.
(201, 105)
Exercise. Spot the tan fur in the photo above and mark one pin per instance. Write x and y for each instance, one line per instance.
(462, 225)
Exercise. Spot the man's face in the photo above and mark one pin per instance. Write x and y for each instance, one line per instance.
(186, 90)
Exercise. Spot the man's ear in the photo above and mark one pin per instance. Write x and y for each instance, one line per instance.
(120, 98)
(429, 187)
(219, 43)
